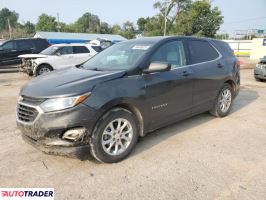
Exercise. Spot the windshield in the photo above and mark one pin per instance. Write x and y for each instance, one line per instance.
(121, 56)
(50, 50)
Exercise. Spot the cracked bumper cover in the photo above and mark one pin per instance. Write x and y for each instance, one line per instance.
(45, 133)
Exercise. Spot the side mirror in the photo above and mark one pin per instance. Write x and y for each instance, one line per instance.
(157, 67)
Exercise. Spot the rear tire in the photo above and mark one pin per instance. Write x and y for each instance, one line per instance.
(223, 102)
(258, 79)
(43, 69)
(114, 136)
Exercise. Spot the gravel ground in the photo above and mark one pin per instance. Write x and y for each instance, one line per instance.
(200, 158)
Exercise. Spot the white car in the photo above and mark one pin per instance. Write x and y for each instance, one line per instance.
(57, 57)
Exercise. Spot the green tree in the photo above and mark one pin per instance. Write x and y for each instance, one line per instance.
(200, 19)
(28, 27)
(170, 10)
(116, 29)
(46, 23)
(128, 30)
(88, 23)
(141, 23)
(105, 28)
(7, 15)
(154, 26)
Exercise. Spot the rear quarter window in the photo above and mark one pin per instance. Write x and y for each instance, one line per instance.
(201, 51)
(80, 49)
(224, 48)
(40, 44)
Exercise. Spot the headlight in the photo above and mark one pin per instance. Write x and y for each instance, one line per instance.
(62, 103)
(259, 66)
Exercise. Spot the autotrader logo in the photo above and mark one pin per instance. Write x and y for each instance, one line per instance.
(27, 193)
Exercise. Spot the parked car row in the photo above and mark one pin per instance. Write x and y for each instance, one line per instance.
(36, 56)
(57, 57)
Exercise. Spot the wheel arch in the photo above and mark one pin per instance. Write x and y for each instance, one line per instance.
(232, 84)
(39, 65)
(127, 106)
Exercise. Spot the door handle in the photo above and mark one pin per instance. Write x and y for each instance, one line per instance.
(219, 65)
(186, 73)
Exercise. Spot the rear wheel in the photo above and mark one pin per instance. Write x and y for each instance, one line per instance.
(114, 136)
(43, 69)
(223, 102)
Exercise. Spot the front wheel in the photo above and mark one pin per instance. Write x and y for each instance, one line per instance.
(43, 69)
(223, 102)
(114, 136)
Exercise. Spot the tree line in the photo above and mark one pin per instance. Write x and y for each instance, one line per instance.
(175, 17)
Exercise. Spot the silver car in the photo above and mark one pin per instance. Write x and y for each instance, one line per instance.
(260, 70)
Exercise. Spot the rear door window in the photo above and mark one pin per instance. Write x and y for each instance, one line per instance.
(80, 49)
(24, 44)
(172, 53)
(224, 47)
(66, 50)
(201, 51)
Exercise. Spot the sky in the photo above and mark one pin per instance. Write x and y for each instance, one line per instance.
(238, 14)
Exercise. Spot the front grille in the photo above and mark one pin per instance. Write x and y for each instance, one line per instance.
(26, 113)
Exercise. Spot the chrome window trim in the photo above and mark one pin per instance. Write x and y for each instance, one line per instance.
(185, 66)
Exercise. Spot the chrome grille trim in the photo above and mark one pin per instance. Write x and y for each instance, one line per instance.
(27, 113)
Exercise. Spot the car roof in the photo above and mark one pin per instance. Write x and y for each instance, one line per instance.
(161, 38)
(69, 44)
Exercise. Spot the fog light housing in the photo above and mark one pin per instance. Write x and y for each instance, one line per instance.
(75, 134)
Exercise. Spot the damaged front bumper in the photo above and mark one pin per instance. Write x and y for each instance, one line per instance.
(27, 66)
(64, 132)
(59, 147)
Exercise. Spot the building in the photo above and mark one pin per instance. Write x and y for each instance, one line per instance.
(60, 37)
(254, 49)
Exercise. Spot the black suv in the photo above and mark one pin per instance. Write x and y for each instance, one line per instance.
(11, 49)
(127, 90)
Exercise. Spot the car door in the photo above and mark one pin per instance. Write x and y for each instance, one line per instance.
(63, 57)
(208, 72)
(24, 47)
(81, 54)
(9, 54)
(169, 94)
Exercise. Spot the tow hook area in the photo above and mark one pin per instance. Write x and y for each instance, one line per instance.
(75, 135)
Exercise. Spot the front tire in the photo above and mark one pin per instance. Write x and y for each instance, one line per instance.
(223, 102)
(43, 69)
(115, 136)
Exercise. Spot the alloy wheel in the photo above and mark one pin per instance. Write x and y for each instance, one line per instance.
(225, 100)
(117, 136)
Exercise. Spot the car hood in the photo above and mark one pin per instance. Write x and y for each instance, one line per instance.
(33, 56)
(67, 82)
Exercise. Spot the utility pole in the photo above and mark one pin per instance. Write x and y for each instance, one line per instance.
(9, 28)
(58, 23)
(165, 21)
